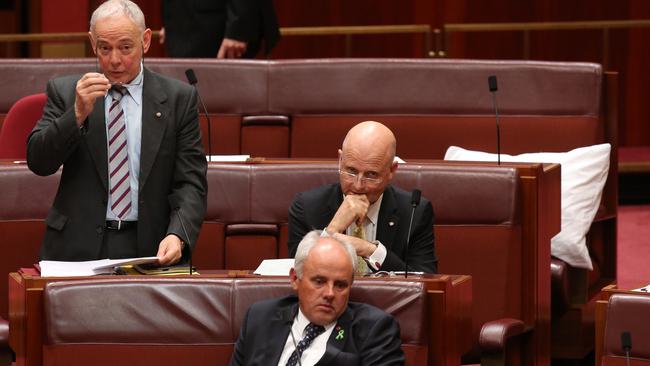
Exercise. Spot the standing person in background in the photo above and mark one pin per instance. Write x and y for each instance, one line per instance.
(218, 28)
(134, 171)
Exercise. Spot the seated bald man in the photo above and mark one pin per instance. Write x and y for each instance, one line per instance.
(319, 326)
(366, 209)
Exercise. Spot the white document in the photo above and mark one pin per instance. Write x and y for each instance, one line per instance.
(228, 158)
(643, 289)
(275, 267)
(88, 268)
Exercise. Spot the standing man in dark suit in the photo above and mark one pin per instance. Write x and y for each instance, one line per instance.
(218, 28)
(319, 326)
(364, 202)
(130, 146)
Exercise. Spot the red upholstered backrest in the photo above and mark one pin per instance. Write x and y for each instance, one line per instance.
(20, 121)
(188, 321)
(628, 313)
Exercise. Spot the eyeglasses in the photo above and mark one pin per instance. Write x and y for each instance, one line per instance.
(365, 179)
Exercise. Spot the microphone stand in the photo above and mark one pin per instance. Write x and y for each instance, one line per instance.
(191, 78)
(492, 83)
(415, 200)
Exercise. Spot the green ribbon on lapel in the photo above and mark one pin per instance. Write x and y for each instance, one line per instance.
(340, 335)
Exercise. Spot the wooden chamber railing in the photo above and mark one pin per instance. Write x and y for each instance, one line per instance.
(347, 31)
(604, 25)
(439, 39)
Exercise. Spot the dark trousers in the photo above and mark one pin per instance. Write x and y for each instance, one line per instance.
(120, 243)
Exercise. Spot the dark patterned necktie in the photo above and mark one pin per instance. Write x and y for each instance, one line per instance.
(312, 331)
(118, 157)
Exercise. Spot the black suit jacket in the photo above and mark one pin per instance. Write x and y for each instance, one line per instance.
(314, 209)
(172, 168)
(195, 28)
(369, 335)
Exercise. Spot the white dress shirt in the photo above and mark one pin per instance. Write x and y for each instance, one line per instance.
(312, 354)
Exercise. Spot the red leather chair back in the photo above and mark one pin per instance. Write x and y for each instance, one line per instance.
(627, 313)
(19, 122)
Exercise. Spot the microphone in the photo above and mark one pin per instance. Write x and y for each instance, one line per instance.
(626, 344)
(415, 201)
(492, 83)
(177, 208)
(191, 78)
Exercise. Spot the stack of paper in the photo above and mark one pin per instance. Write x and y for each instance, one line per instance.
(88, 268)
(643, 289)
(275, 267)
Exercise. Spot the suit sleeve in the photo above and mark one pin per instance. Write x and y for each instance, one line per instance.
(421, 252)
(55, 136)
(383, 348)
(298, 225)
(189, 189)
(239, 353)
(243, 20)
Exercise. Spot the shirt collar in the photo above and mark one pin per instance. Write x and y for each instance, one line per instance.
(373, 210)
(135, 87)
(301, 322)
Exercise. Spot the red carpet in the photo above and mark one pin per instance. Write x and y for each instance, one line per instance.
(633, 245)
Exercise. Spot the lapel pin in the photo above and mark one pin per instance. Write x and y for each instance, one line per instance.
(391, 223)
(158, 114)
(340, 334)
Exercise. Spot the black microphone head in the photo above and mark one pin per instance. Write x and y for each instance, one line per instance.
(191, 78)
(626, 341)
(415, 197)
(492, 83)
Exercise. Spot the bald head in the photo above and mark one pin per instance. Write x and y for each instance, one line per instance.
(371, 137)
(367, 160)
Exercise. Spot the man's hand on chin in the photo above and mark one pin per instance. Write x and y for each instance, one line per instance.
(353, 209)
(170, 250)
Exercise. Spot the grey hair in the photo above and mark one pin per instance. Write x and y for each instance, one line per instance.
(118, 7)
(310, 240)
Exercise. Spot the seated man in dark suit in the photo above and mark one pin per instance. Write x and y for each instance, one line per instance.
(319, 325)
(373, 215)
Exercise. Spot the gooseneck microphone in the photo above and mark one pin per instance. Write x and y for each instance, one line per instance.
(492, 83)
(415, 201)
(626, 344)
(191, 78)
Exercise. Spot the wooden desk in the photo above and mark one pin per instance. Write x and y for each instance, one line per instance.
(450, 297)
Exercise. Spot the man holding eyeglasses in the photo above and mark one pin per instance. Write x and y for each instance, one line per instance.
(130, 145)
(372, 214)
